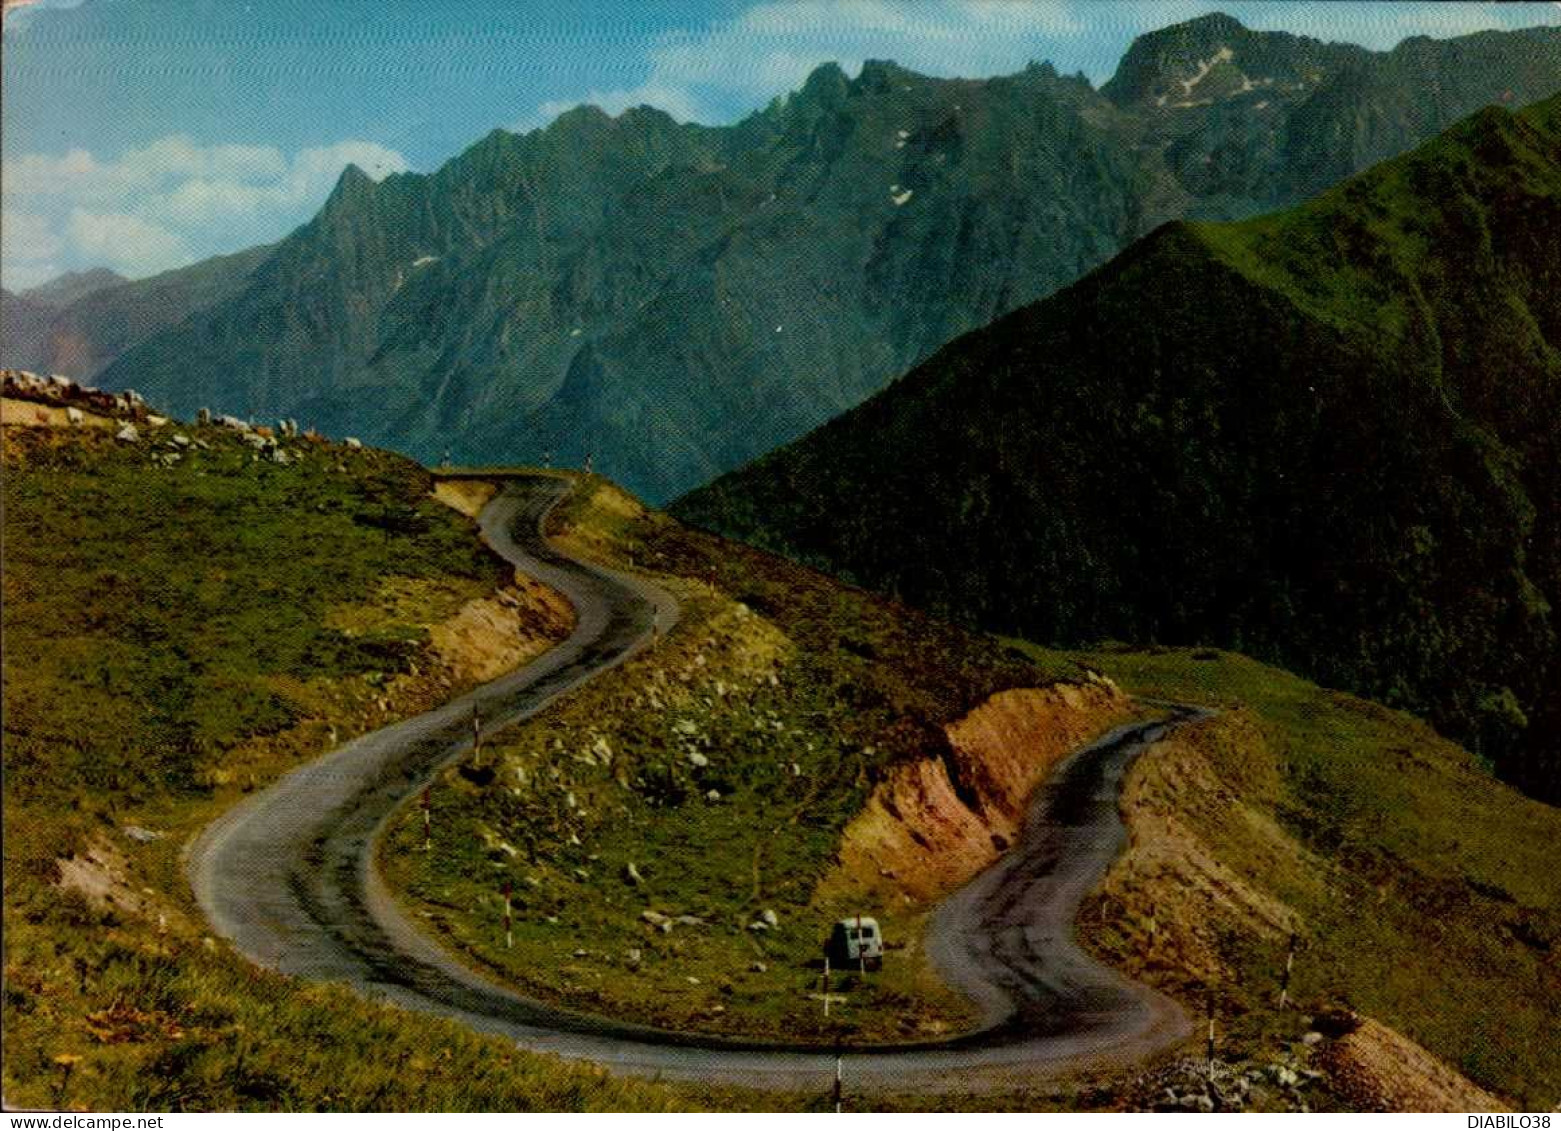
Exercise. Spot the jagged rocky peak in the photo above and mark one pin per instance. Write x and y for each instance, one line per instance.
(1215, 57)
(645, 115)
(827, 85)
(880, 75)
(918, 207)
(1185, 62)
(584, 117)
(353, 185)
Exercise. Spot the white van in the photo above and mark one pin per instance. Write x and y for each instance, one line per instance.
(856, 941)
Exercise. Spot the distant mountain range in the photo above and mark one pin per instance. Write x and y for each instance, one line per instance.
(1330, 437)
(79, 323)
(67, 288)
(25, 317)
(677, 299)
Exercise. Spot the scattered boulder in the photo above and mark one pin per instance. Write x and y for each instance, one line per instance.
(632, 874)
(1337, 1023)
(769, 916)
(128, 434)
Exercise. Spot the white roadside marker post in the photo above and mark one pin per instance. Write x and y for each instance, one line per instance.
(1211, 1034)
(476, 738)
(839, 1084)
(509, 922)
(1284, 982)
(428, 840)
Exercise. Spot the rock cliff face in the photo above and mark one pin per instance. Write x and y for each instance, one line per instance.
(675, 299)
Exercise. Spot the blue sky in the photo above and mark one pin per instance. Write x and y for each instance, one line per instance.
(146, 134)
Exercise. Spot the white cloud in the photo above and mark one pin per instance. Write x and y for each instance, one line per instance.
(124, 242)
(209, 198)
(166, 203)
(29, 247)
(19, 13)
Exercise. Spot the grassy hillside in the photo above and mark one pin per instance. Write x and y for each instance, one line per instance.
(1421, 891)
(1327, 437)
(169, 645)
(1295, 809)
(178, 635)
(723, 767)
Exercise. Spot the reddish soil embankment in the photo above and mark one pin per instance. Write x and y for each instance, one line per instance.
(935, 822)
(1378, 1069)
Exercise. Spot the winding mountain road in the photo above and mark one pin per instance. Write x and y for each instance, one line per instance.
(287, 875)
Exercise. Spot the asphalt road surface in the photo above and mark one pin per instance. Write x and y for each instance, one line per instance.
(287, 875)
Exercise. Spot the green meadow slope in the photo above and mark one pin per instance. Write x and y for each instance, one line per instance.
(813, 711)
(1420, 890)
(1330, 437)
(179, 633)
(175, 637)
(649, 822)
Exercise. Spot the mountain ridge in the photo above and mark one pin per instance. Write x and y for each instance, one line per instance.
(1332, 442)
(62, 290)
(82, 336)
(676, 299)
